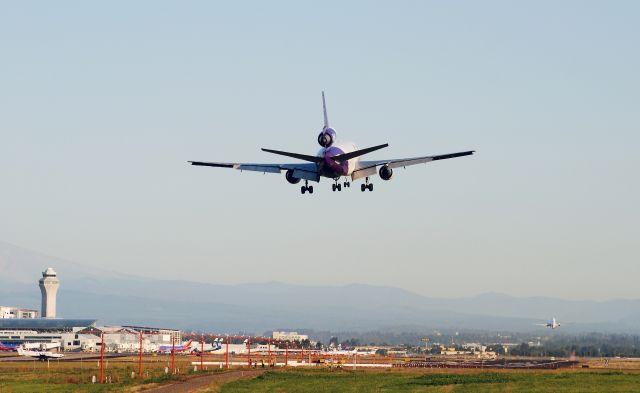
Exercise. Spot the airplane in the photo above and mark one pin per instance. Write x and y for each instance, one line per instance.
(9, 347)
(553, 324)
(216, 346)
(334, 160)
(178, 348)
(41, 355)
(37, 346)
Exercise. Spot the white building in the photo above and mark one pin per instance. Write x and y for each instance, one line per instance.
(16, 312)
(289, 336)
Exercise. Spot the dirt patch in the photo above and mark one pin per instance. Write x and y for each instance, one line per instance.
(197, 383)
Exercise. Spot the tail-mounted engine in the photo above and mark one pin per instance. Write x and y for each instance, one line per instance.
(327, 137)
(385, 172)
(289, 176)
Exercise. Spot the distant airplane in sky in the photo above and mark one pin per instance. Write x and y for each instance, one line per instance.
(42, 355)
(334, 161)
(553, 324)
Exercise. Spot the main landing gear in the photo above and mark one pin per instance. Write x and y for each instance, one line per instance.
(338, 186)
(366, 185)
(306, 188)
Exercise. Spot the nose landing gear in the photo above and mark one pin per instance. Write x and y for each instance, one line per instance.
(306, 188)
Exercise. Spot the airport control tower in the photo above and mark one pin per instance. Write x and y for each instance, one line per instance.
(49, 287)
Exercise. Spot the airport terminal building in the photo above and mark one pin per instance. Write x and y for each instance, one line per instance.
(23, 327)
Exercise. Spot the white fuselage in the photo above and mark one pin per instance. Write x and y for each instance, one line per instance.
(332, 168)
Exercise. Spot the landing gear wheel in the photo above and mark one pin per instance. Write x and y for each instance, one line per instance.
(362, 187)
(339, 186)
(333, 187)
(370, 187)
(310, 189)
(303, 189)
(347, 184)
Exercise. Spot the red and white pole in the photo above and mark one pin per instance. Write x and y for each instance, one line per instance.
(226, 355)
(173, 354)
(102, 358)
(249, 351)
(202, 354)
(140, 362)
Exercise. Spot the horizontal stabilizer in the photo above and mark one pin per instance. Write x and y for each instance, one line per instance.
(453, 155)
(214, 164)
(303, 157)
(358, 153)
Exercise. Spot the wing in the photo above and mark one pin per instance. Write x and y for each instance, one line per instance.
(308, 171)
(369, 168)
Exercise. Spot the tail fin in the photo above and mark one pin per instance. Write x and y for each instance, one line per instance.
(324, 109)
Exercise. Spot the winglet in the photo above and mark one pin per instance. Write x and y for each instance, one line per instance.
(324, 110)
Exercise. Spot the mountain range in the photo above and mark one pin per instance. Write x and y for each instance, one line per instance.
(116, 298)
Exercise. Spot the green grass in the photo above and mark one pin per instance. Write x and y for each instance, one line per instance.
(455, 381)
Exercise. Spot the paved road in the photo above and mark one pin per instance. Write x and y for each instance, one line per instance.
(197, 383)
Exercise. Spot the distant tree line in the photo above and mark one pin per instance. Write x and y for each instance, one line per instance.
(587, 345)
(541, 343)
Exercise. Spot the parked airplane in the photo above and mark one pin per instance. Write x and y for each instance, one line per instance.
(41, 346)
(42, 355)
(334, 160)
(9, 347)
(553, 324)
(38, 346)
(216, 346)
(177, 348)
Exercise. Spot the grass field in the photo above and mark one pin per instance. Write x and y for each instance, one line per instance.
(450, 381)
(64, 376)
(33, 376)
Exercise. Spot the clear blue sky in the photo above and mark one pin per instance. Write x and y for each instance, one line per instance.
(102, 104)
